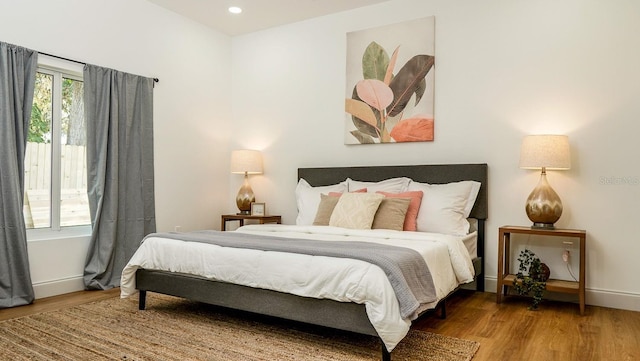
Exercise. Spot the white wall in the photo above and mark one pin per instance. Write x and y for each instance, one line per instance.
(504, 69)
(192, 112)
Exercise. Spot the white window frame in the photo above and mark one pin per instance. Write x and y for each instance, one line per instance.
(58, 69)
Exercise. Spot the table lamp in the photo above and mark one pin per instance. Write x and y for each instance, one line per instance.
(246, 162)
(544, 206)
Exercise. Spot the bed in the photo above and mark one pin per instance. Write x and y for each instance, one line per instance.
(349, 316)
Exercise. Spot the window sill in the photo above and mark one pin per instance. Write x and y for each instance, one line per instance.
(45, 234)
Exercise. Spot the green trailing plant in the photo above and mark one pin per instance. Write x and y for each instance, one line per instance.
(531, 277)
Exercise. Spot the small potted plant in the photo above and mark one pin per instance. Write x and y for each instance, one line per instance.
(535, 280)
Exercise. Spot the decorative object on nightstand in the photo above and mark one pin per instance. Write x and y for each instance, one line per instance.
(257, 209)
(534, 281)
(246, 162)
(544, 206)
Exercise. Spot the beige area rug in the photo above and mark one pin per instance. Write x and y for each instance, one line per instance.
(176, 329)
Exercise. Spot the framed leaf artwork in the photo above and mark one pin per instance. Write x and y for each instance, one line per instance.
(390, 83)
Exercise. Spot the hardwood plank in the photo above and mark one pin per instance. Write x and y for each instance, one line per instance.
(509, 331)
(57, 302)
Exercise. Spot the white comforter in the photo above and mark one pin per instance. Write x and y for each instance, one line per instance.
(339, 279)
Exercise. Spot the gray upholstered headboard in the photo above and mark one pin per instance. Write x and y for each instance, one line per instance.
(435, 174)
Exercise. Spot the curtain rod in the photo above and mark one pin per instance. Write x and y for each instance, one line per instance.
(155, 80)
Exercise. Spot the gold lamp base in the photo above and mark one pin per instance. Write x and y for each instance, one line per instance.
(544, 206)
(245, 197)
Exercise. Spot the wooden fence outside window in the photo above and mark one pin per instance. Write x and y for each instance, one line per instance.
(74, 205)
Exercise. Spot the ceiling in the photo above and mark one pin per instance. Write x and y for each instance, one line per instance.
(257, 14)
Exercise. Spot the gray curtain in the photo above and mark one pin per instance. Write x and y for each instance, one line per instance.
(119, 117)
(17, 82)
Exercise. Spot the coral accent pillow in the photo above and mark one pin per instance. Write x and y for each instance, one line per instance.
(410, 220)
(355, 210)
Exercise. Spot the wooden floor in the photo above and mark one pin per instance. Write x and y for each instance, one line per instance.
(556, 331)
(57, 302)
(506, 332)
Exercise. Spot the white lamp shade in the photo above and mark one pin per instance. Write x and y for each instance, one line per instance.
(246, 161)
(545, 151)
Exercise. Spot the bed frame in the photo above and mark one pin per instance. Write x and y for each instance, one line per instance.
(323, 312)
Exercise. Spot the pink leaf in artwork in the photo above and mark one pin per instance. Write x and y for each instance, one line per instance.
(392, 63)
(416, 129)
(375, 93)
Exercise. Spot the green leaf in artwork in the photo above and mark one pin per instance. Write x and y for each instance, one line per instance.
(362, 138)
(375, 61)
(407, 82)
(363, 126)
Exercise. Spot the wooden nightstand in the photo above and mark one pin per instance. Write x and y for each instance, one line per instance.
(505, 279)
(241, 218)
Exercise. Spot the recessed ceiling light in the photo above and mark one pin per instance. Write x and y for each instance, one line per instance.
(235, 10)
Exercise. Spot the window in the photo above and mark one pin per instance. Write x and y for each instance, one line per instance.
(55, 160)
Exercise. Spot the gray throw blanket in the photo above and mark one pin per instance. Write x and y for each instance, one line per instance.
(407, 271)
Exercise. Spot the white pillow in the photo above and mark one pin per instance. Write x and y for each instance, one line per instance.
(445, 207)
(391, 185)
(308, 200)
(356, 210)
(471, 200)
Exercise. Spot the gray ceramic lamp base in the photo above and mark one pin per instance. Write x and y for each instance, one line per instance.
(544, 206)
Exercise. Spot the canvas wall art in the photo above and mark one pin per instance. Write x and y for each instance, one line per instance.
(390, 83)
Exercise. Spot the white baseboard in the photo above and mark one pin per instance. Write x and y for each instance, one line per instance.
(594, 297)
(58, 287)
